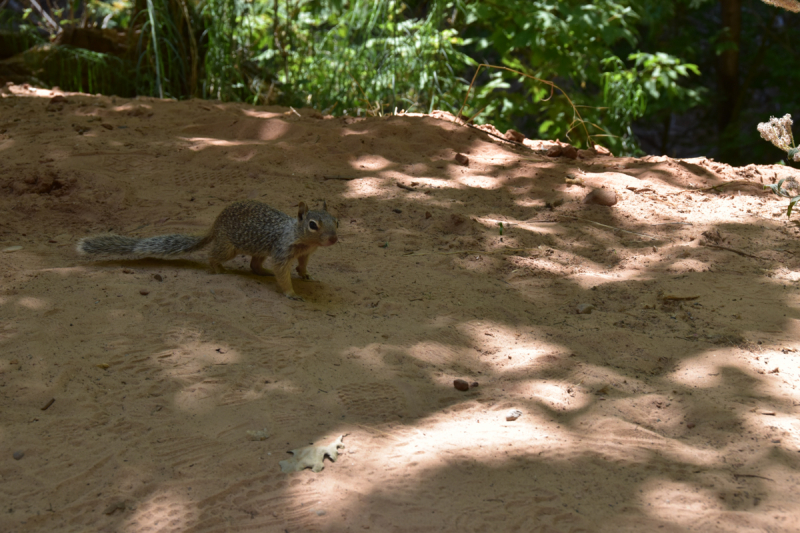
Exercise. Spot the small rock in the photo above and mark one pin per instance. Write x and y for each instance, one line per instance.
(18, 455)
(554, 202)
(114, 507)
(514, 135)
(605, 197)
(428, 215)
(690, 425)
(513, 415)
(127, 271)
(144, 292)
(474, 384)
(461, 385)
(584, 309)
(461, 159)
(158, 277)
(566, 150)
(261, 434)
(107, 126)
(569, 152)
(602, 150)
(58, 99)
(12, 249)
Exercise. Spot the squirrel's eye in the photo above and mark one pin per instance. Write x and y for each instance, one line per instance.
(313, 225)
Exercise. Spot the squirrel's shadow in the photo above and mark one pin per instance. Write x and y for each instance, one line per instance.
(151, 263)
(235, 267)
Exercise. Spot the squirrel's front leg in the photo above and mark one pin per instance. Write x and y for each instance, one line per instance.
(283, 275)
(302, 263)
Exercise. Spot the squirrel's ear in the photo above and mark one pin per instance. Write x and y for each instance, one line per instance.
(324, 205)
(302, 209)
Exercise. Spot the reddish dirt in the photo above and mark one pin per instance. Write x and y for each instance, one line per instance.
(671, 406)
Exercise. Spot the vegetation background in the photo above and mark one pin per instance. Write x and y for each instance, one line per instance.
(682, 78)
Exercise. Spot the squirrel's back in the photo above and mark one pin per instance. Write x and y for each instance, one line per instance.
(256, 229)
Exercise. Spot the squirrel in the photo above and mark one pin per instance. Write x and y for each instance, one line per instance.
(247, 227)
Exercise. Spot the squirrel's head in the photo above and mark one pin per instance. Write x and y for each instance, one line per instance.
(319, 223)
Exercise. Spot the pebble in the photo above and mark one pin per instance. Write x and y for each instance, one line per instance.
(513, 415)
(474, 384)
(144, 292)
(563, 151)
(461, 159)
(605, 197)
(554, 202)
(257, 435)
(18, 455)
(12, 248)
(158, 277)
(514, 135)
(584, 309)
(461, 385)
(114, 507)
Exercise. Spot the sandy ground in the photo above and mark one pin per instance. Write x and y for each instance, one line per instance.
(128, 387)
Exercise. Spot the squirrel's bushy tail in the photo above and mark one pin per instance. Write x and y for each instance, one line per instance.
(159, 245)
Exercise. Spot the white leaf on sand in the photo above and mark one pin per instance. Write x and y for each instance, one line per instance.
(261, 434)
(312, 456)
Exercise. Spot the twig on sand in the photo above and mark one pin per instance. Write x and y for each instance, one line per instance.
(609, 227)
(714, 187)
(734, 250)
(475, 252)
(737, 476)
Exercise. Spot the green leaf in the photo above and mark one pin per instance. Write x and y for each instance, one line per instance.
(791, 205)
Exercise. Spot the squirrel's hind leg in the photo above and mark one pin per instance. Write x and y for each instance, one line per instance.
(221, 252)
(255, 266)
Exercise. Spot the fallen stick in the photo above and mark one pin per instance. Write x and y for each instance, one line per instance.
(734, 250)
(715, 186)
(476, 252)
(737, 476)
(609, 227)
